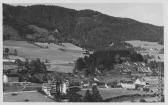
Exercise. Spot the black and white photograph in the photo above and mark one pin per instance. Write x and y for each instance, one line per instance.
(83, 52)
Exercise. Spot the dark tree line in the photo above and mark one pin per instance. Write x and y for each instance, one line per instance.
(90, 96)
(8, 52)
(31, 71)
(106, 59)
(94, 97)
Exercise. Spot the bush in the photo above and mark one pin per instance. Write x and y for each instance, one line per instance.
(142, 100)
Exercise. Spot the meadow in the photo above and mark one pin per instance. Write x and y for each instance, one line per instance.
(66, 53)
(62, 57)
(29, 96)
(108, 93)
(152, 48)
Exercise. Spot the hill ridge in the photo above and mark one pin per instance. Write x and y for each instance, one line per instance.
(85, 28)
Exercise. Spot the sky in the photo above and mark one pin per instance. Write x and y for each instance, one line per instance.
(143, 12)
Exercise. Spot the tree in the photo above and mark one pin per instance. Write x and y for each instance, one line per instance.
(15, 52)
(117, 58)
(20, 64)
(80, 64)
(73, 96)
(38, 65)
(162, 98)
(96, 95)
(87, 97)
(7, 50)
(27, 64)
(57, 95)
(43, 67)
(142, 100)
(46, 60)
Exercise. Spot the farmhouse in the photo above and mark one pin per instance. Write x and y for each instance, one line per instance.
(140, 82)
(9, 60)
(10, 78)
(85, 84)
(5, 78)
(127, 84)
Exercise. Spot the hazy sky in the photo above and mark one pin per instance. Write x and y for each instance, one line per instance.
(148, 13)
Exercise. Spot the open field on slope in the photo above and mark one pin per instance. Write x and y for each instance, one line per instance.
(150, 47)
(65, 68)
(145, 44)
(112, 75)
(67, 53)
(60, 57)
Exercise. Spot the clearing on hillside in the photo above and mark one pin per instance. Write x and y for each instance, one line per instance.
(68, 54)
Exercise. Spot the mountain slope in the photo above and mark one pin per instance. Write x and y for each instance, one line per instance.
(86, 28)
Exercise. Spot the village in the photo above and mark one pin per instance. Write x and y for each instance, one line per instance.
(136, 79)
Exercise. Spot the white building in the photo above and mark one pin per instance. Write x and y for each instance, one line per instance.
(64, 87)
(127, 84)
(5, 78)
(140, 82)
(9, 60)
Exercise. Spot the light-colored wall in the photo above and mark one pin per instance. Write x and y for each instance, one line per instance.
(128, 86)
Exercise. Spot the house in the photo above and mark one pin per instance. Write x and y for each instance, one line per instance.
(140, 81)
(10, 78)
(9, 60)
(10, 73)
(127, 84)
(101, 84)
(95, 79)
(85, 84)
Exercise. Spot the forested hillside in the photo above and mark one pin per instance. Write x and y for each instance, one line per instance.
(85, 28)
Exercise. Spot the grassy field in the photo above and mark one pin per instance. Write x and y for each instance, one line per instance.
(31, 96)
(13, 87)
(61, 68)
(112, 75)
(68, 53)
(61, 57)
(107, 93)
(149, 45)
(145, 44)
